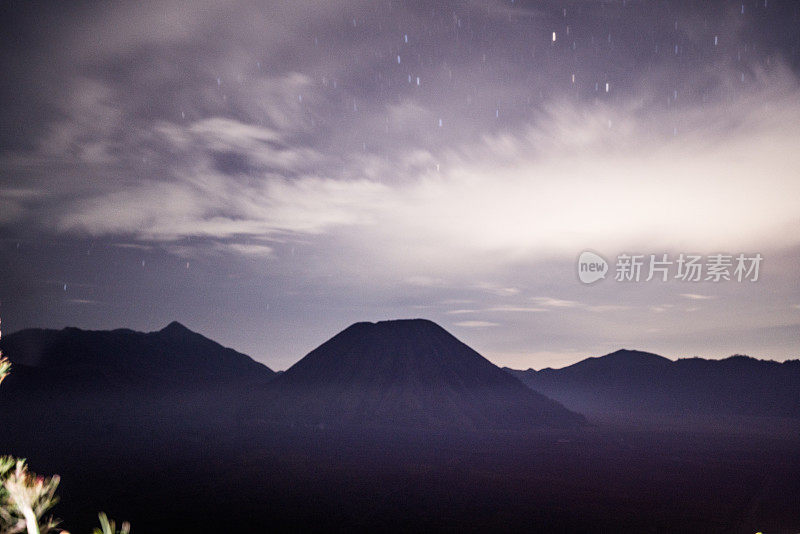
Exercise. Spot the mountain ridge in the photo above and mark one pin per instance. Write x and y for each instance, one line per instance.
(737, 356)
(637, 382)
(124, 356)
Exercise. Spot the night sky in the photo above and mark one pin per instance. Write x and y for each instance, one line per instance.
(268, 173)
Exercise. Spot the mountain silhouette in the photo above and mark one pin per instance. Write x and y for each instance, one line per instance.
(635, 382)
(150, 427)
(406, 373)
(172, 357)
(121, 390)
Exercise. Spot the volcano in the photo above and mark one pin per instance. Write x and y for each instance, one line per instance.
(406, 373)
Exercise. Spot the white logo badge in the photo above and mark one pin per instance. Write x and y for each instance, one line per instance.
(591, 267)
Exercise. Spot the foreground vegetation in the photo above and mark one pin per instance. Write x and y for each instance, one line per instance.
(26, 498)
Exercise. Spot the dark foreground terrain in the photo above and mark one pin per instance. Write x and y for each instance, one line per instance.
(252, 479)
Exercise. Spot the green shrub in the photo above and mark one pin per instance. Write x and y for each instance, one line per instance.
(108, 527)
(5, 367)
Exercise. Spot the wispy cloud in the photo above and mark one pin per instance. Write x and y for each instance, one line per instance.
(498, 290)
(569, 176)
(607, 307)
(661, 308)
(554, 303)
(251, 249)
(497, 309)
(134, 246)
(514, 199)
(695, 296)
(476, 324)
(549, 302)
(516, 309)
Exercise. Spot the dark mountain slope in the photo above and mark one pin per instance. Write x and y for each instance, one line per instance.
(85, 383)
(634, 382)
(406, 373)
(173, 356)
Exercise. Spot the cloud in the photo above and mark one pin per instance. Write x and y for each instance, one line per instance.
(607, 308)
(498, 290)
(134, 246)
(565, 182)
(476, 324)
(250, 249)
(695, 296)
(661, 308)
(255, 153)
(557, 303)
(515, 309)
(562, 304)
(205, 206)
(497, 309)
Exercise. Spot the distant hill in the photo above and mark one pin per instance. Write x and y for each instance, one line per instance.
(172, 357)
(635, 382)
(143, 394)
(405, 373)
